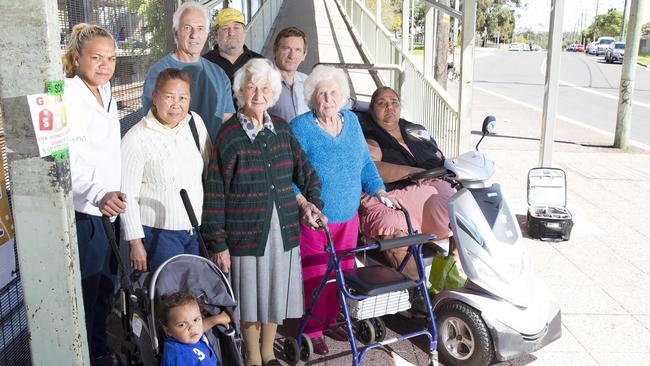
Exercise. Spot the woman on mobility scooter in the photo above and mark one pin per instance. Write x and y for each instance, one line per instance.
(398, 157)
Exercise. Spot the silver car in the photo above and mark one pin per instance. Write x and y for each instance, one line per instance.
(592, 48)
(615, 52)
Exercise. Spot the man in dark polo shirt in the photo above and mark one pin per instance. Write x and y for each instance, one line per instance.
(230, 53)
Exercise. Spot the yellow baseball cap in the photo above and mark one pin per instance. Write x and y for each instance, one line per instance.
(229, 15)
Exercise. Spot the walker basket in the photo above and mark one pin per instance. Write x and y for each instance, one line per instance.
(376, 306)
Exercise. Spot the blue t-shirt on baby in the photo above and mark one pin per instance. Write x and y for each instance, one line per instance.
(176, 353)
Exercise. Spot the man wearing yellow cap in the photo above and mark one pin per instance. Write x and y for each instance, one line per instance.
(230, 53)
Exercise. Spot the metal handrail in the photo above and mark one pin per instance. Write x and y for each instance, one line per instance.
(371, 67)
(426, 102)
(259, 27)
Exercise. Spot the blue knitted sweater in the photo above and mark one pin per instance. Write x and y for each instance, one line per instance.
(343, 164)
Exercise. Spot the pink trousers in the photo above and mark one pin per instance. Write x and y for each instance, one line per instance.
(314, 263)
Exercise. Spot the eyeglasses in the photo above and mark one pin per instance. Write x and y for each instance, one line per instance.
(386, 103)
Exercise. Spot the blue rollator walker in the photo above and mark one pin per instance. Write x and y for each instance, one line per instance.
(377, 286)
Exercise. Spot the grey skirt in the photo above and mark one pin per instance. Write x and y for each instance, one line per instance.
(269, 288)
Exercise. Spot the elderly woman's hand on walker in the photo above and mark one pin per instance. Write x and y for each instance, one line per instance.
(310, 215)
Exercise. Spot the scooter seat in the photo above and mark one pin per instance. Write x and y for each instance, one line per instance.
(376, 280)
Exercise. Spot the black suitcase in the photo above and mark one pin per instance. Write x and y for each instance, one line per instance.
(548, 218)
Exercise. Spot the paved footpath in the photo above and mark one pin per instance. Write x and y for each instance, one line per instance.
(601, 277)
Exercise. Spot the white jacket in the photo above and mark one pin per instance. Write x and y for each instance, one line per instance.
(157, 162)
(94, 144)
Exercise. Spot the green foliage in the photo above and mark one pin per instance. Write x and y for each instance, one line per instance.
(605, 25)
(152, 13)
(645, 29)
(496, 15)
(419, 14)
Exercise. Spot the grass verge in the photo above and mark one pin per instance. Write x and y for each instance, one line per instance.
(644, 59)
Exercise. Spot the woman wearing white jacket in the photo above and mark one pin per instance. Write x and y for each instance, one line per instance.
(89, 63)
(160, 156)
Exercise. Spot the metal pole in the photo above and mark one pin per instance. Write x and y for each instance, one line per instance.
(453, 56)
(624, 114)
(412, 26)
(625, 15)
(406, 6)
(429, 41)
(46, 239)
(551, 83)
(378, 20)
(466, 77)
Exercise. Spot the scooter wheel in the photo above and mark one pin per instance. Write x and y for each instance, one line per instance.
(380, 329)
(463, 337)
(366, 332)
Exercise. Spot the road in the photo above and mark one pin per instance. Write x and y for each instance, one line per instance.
(588, 87)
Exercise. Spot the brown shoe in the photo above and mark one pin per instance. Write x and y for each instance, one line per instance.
(320, 347)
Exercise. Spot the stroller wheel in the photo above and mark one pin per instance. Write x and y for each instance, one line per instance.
(366, 332)
(293, 353)
(380, 329)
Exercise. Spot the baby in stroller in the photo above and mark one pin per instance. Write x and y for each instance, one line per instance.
(185, 327)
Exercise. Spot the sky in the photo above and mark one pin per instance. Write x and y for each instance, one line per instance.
(537, 13)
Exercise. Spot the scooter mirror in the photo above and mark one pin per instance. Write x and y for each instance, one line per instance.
(488, 125)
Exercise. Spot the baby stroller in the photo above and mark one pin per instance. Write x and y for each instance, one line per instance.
(142, 336)
(367, 293)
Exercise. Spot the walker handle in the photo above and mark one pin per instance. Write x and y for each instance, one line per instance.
(405, 241)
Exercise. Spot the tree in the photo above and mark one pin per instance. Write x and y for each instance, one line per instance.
(152, 13)
(645, 29)
(496, 16)
(605, 25)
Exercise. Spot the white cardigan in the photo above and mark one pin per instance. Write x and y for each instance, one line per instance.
(94, 144)
(157, 162)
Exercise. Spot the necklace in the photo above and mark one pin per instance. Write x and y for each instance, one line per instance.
(333, 128)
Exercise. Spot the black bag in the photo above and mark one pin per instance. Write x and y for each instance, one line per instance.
(548, 218)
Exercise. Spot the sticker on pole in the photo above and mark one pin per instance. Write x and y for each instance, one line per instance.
(49, 120)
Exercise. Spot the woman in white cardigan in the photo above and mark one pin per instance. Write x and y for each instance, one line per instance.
(160, 156)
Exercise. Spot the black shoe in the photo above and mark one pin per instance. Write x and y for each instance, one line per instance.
(272, 362)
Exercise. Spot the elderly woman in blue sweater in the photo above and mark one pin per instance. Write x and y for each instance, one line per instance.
(334, 143)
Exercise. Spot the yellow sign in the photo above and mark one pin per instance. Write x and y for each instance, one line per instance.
(6, 222)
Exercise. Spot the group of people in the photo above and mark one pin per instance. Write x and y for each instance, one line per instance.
(264, 176)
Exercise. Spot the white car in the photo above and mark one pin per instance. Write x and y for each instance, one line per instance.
(602, 44)
(516, 47)
(592, 48)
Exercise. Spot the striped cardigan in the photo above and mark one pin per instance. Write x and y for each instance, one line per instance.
(245, 179)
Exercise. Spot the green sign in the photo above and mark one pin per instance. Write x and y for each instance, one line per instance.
(54, 87)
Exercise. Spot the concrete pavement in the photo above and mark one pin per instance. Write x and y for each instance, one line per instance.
(601, 277)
